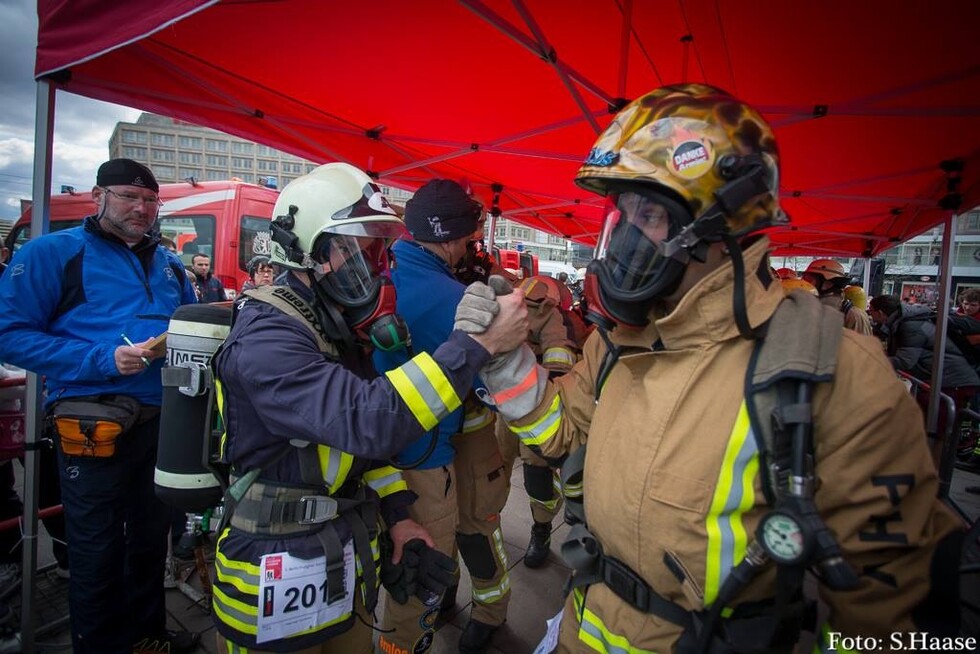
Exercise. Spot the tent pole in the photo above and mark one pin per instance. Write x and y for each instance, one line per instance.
(939, 353)
(866, 282)
(41, 198)
(624, 47)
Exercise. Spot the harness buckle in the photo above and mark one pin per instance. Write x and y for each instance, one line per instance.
(317, 509)
(625, 583)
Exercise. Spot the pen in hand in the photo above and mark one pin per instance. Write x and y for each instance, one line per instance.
(146, 362)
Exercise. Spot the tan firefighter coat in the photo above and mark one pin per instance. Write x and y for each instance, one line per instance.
(673, 468)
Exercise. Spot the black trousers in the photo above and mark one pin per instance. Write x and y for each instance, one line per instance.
(118, 533)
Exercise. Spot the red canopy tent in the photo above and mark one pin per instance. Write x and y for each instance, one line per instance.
(875, 103)
(867, 98)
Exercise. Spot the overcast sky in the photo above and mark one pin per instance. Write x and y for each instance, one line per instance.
(82, 126)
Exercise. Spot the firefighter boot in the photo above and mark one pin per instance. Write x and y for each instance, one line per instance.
(476, 637)
(539, 546)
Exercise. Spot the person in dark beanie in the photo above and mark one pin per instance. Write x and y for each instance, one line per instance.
(461, 484)
(83, 325)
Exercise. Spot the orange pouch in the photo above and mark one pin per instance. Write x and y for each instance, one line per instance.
(90, 425)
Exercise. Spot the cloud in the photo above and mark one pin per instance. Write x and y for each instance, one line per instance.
(82, 126)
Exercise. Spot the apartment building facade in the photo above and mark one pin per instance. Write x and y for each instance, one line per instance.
(176, 150)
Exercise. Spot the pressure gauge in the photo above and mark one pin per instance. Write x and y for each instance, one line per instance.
(782, 537)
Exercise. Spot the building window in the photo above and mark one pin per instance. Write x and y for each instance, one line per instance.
(164, 172)
(247, 177)
(521, 232)
(196, 173)
(162, 139)
(216, 175)
(191, 157)
(130, 136)
(215, 160)
(309, 168)
(214, 145)
(192, 142)
(270, 166)
(162, 155)
(241, 163)
(134, 153)
(265, 151)
(970, 223)
(241, 147)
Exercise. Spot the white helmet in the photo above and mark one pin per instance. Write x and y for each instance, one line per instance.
(335, 198)
(335, 223)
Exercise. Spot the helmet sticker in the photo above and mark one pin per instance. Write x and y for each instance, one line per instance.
(601, 158)
(262, 243)
(691, 158)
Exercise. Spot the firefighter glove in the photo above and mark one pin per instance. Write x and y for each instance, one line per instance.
(428, 571)
(476, 310)
(392, 575)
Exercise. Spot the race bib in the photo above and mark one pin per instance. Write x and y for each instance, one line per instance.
(293, 594)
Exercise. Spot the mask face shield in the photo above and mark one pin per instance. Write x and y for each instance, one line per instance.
(631, 268)
(351, 267)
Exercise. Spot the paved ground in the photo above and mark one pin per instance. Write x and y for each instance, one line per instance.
(536, 593)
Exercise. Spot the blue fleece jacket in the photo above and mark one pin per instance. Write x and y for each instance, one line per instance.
(68, 297)
(427, 298)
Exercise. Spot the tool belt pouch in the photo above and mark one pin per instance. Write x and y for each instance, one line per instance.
(90, 425)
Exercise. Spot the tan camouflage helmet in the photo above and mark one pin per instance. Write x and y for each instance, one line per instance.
(681, 137)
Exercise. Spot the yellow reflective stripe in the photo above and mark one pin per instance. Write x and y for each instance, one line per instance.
(734, 495)
(572, 490)
(385, 481)
(477, 419)
(240, 574)
(555, 497)
(594, 633)
(335, 466)
(560, 355)
(425, 389)
(237, 615)
(822, 646)
(219, 395)
(491, 594)
(232, 648)
(543, 428)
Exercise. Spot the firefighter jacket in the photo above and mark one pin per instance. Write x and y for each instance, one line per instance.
(68, 297)
(276, 386)
(854, 319)
(547, 334)
(427, 295)
(548, 338)
(672, 469)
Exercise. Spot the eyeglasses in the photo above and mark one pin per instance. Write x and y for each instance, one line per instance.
(133, 198)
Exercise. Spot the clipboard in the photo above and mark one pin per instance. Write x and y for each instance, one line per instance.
(158, 344)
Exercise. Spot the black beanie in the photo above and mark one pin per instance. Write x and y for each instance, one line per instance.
(442, 211)
(126, 172)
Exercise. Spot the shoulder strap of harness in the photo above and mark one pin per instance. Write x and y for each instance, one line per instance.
(291, 304)
(800, 347)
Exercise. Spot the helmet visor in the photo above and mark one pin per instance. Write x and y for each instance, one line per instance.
(352, 266)
(630, 243)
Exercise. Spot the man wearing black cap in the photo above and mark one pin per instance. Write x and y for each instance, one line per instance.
(461, 484)
(83, 325)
